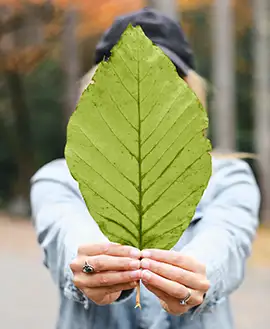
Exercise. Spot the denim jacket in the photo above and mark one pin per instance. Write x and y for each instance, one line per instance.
(220, 236)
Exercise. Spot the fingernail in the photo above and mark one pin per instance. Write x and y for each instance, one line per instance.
(135, 264)
(146, 254)
(146, 276)
(136, 274)
(145, 263)
(135, 253)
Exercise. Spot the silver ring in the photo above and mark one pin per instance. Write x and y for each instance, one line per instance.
(186, 299)
(87, 268)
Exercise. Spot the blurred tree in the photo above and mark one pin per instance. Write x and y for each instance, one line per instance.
(45, 100)
(223, 71)
(169, 7)
(32, 60)
(262, 95)
(7, 163)
(22, 48)
(22, 141)
(198, 26)
(70, 61)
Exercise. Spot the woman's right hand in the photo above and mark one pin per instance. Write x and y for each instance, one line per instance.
(117, 268)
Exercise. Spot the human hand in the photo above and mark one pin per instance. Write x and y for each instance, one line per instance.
(172, 277)
(117, 268)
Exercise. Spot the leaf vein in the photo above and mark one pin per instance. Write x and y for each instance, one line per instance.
(111, 204)
(151, 239)
(118, 108)
(121, 173)
(161, 219)
(153, 107)
(140, 207)
(166, 133)
(122, 83)
(170, 163)
(108, 182)
(153, 203)
(124, 241)
(159, 123)
(123, 60)
(146, 75)
(111, 220)
(110, 128)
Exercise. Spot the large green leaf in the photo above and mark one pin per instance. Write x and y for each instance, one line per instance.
(136, 146)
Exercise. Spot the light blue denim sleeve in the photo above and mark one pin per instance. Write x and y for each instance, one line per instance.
(223, 237)
(62, 223)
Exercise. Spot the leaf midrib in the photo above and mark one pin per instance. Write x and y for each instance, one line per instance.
(139, 151)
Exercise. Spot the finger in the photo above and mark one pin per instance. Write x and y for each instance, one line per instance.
(195, 299)
(105, 263)
(98, 294)
(172, 305)
(171, 288)
(174, 258)
(189, 279)
(111, 249)
(104, 279)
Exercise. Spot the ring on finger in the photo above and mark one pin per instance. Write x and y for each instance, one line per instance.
(87, 268)
(185, 300)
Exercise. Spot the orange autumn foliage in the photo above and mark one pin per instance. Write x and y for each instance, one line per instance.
(97, 15)
(93, 17)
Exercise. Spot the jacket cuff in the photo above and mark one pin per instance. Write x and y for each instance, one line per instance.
(73, 293)
(213, 295)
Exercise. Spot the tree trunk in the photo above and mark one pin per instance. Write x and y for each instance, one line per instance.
(167, 7)
(70, 63)
(21, 137)
(223, 115)
(262, 98)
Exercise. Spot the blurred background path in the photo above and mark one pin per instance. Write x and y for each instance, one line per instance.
(46, 47)
(29, 300)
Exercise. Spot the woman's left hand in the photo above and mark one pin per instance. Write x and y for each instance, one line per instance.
(172, 276)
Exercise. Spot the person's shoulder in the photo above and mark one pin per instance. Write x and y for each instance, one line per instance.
(56, 170)
(228, 173)
(229, 165)
(231, 172)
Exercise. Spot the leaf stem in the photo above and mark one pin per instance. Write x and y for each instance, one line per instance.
(138, 296)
